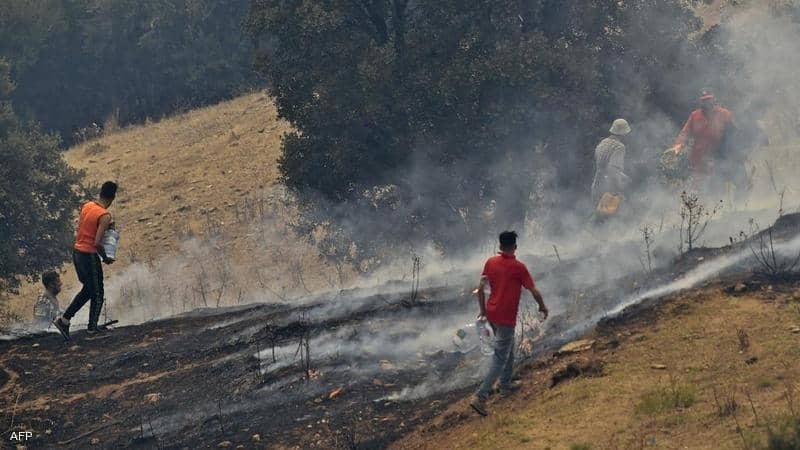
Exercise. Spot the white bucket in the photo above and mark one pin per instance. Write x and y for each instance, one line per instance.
(111, 242)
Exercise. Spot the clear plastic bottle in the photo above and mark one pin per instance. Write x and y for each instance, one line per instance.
(486, 335)
(111, 241)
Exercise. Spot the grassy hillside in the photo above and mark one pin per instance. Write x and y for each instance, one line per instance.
(172, 172)
(209, 174)
(657, 386)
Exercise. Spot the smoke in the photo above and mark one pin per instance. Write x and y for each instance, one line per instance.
(567, 253)
(756, 79)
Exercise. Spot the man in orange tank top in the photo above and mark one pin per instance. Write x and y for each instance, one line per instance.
(87, 253)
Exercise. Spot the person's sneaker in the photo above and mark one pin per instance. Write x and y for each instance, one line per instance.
(479, 406)
(63, 327)
(96, 329)
(506, 390)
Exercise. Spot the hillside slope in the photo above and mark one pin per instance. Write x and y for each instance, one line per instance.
(199, 199)
(681, 375)
(366, 368)
(174, 171)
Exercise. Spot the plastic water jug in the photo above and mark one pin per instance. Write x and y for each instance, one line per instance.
(111, 242)
(486, 335)
(466, 339)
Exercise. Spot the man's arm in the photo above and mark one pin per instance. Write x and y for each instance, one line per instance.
(102, 226)
(540, 300)
(680, 141)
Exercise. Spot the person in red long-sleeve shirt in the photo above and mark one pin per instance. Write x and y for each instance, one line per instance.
(707, 127)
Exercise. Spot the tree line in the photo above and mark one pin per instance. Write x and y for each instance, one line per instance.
(78, 62)
(65, 64)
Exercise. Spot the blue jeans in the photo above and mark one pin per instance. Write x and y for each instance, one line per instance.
(502, 361)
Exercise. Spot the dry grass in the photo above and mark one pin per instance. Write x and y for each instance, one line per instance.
(636, 406)
(172, 171)
(184, 175)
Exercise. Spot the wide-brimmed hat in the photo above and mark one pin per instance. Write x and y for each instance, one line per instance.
(620, 127)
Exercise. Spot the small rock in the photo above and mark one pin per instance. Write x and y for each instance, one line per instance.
(256, 438)
(35, 345)
(95, 441)
(795, 329)
(239, 446)
(48, 431)
(580, 345)
(751, 360)
(153, 397)
(740, 287)
(143, 219)
(89, 366)
(225, 444)
(658, 366)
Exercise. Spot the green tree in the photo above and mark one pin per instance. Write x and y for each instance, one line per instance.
(445, 101)
(39, 194)
(80, 61)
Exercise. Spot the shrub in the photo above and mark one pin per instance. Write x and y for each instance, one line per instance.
(784, 435)
(667, 398)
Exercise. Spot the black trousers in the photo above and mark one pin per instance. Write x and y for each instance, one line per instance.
(90, 274)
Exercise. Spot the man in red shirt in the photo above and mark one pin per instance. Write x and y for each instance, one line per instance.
(506, 277)
(707, 127)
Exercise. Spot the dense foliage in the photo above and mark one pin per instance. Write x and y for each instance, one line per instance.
(39, 194)
(425, 111)
(81, 61)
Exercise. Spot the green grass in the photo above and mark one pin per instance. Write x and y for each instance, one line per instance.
(580, 447)
(764, 383)
(784, 435)
(667, 398)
